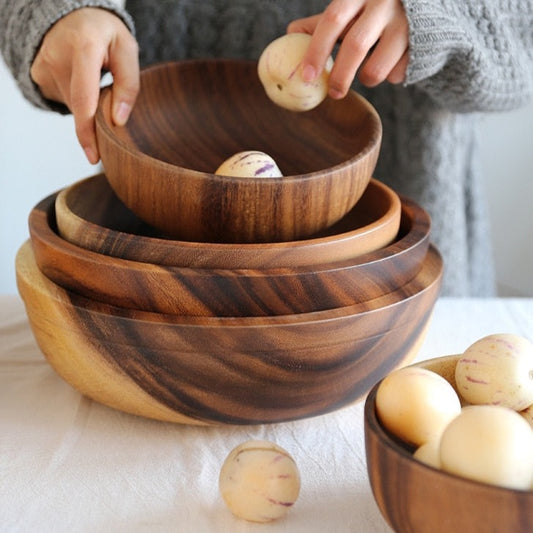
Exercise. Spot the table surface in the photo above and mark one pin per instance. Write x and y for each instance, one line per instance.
(70, 464)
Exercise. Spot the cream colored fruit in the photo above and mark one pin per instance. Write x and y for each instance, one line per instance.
(249, 164)
(259, 481)
(489, 443)
(280, 71)
(416, 404)
(429, 453)
(497, 369)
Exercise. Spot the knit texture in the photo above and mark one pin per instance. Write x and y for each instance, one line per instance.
(24, 25)
(465, 57)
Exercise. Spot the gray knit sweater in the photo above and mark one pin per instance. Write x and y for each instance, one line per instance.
(465, 57)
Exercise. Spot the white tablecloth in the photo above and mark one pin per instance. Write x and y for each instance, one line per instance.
(69, 464)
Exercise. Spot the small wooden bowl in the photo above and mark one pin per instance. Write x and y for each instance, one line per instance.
(227, 292)
(211, 370)
(417, 498)
(91, 216)
(192, 115)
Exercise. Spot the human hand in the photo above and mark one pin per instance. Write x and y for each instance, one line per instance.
(68, 65)
(375, 40)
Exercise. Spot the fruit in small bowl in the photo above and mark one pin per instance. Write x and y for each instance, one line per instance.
(417, 493)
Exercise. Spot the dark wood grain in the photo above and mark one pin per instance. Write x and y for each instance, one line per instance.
(415, 498)
(228, 292)
(214, 370)
(192, 115)
(90, 215)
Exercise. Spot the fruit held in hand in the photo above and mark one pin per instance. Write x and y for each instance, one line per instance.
(280, 72)
(416, 404)
(497, 369)
(259, 481)
(489, 443)
(249, 164)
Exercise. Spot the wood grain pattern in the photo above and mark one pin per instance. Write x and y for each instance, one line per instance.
(216, 292)
(415, 498)
(216, 370)
(192, 115)
(90, 215)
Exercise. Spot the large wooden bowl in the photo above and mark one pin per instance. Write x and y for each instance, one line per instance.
(192, 115)
(227, 292)
(417, 498)
(225, 370)
(90, 215)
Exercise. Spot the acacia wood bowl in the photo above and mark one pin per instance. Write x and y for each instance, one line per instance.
(228, 292)
(90, 215)
(192, 115)
(211, 370)
(416, 498)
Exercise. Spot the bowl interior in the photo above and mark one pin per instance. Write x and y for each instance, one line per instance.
(433, 500)
(90, 215)
(196, 114)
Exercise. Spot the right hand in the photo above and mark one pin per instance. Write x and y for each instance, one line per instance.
(68, 65)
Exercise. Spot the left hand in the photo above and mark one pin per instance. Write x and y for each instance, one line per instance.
(374, 37)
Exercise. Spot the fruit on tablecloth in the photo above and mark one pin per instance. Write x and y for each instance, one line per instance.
(259, 481)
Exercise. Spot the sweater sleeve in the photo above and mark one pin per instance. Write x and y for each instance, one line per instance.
(472, 55)
(24, 23)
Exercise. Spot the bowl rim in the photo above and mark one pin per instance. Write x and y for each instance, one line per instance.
(421, 217)
(371, 423)
(432, 268)
(102, 125)
(393, 212)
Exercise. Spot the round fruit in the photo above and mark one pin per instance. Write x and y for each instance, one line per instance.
(259, 481)
(280, 71)
(416, 404)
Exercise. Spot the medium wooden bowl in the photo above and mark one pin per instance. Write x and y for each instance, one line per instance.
(417, 498)
(210, 370)
(192, 115)
(227, 292)
(90, 215)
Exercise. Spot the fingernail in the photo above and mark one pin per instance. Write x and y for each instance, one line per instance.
(308, 73)
(335, 93)
(122, 113)
(91, 155)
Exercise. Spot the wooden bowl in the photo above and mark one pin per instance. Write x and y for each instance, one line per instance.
(417, 498)
(225, 370)
(192, 115)
(227, 292)
(90, 215)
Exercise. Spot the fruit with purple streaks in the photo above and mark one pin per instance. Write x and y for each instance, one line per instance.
(280, 71)
(249, 164)
(259, 481)
(497, 370)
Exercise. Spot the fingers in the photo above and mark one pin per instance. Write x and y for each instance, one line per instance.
(68, 67)
(391, 48)
(374, 37)
(124, 65)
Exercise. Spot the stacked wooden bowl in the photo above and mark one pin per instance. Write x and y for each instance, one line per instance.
(300, 293)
